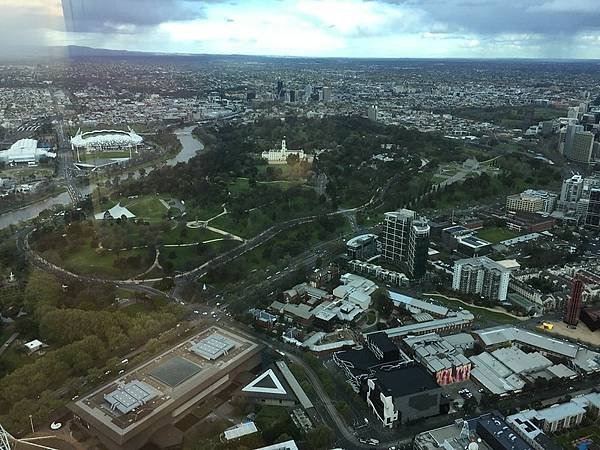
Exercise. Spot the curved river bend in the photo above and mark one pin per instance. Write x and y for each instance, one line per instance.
(189, 147)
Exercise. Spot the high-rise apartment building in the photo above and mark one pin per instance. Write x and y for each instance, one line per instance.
(372, 112)
(326, 94)
(483, 276)
(573, 306)
(405, 240)
(592, 218)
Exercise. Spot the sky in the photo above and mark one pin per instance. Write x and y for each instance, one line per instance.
(323, 28)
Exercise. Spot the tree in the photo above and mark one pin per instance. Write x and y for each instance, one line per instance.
(382, 302)
(320, 437)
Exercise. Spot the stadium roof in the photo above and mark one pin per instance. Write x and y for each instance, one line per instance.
(106, 138)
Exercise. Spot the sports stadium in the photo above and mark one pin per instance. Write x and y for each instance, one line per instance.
(102, 147)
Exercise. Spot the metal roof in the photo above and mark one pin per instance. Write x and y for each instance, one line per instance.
(213, 346)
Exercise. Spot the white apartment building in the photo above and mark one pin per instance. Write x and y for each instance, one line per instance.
(483, 276)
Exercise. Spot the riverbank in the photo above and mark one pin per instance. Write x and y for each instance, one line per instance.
(190, 146)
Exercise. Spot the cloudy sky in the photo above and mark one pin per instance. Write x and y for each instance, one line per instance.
(354, 28)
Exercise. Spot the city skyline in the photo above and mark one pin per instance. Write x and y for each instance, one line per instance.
(547, 29)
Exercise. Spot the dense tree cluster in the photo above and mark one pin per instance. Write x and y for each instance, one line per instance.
(83, 330)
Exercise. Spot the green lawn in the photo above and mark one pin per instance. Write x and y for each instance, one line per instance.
(478, 312)
(86, 260)
(495, 235)
(187, 258)
(93, 156)
(184, 235)
(148, 207)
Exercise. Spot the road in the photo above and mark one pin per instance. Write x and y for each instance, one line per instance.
(65, 165)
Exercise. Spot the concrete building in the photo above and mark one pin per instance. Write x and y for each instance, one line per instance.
(405, 241)
(25, 151)
(453, 323)
(372, 112)
(483, 276)
(441, 359)
(578, 358)
(532, 201)
(280, 155)
(362, 247)
(576, 144)
(142, 406)
(385, 275)
(592, 217)
(487, 432)
(403, 395)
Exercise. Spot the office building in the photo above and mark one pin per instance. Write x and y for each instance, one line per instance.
(142, 406)
(403, 395)
(592, 217)
(532, 201)
(572, 189)
(362, 248)
(326, 94)
(572, 112)
(483, 276)
(405, 241)
(576, 144)
(573, 306)
(372, 112)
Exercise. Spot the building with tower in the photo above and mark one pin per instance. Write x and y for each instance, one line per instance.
(280, 155)
(405, 241)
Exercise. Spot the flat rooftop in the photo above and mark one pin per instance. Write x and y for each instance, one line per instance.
(163, 382)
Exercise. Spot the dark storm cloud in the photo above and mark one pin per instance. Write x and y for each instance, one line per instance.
(485, 17)
(127, 15)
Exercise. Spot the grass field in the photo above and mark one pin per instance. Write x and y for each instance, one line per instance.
(148, 207)
(183, 235)
(94, 156)
(186, 258)
(495, 235)
(86, 260)
(478, 312)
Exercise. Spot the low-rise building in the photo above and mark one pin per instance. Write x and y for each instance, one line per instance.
(362, 247)
(403, 395)
(532, 201)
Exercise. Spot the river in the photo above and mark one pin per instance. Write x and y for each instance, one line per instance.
(189, 147)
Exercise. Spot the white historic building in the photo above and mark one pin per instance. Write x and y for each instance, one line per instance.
(280, 155)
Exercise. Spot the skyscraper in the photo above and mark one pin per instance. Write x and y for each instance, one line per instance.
(405, 241)
(592, 218)
(372, 112)
(573, 307)
(576, 144)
